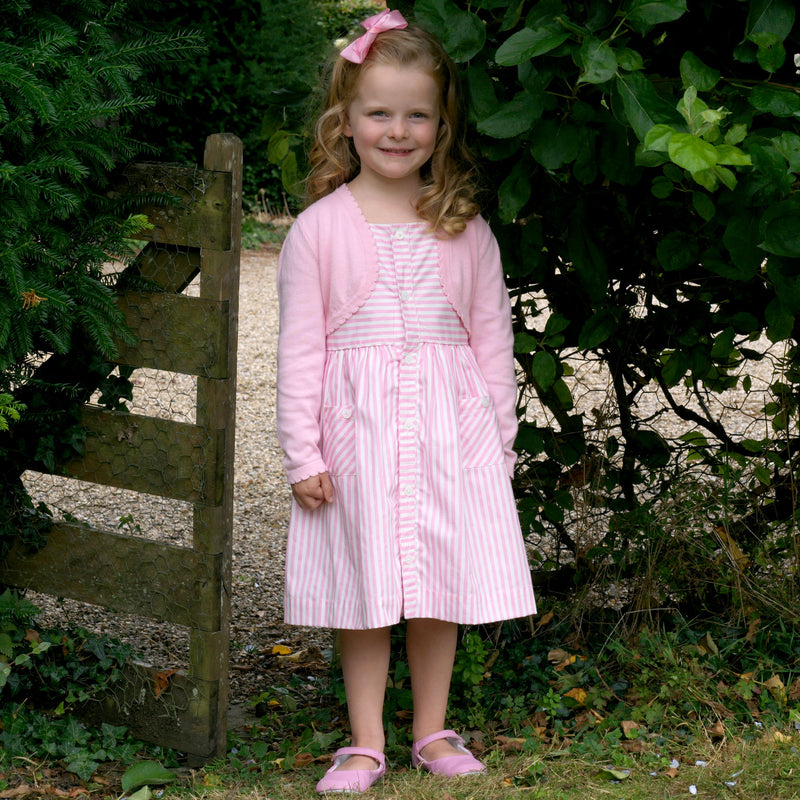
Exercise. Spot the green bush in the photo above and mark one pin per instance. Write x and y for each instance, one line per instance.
(642, 173)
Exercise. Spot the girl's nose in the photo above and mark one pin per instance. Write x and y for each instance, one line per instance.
(398, 128)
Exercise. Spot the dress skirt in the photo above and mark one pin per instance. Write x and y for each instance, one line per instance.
(423, 522)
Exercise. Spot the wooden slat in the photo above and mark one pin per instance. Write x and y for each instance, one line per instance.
(201, 218)
(170, 709)
(176, 333)
(150, 455)
(171, 268)
(124, 573)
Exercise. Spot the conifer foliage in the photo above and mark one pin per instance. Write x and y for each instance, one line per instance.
(73, 81)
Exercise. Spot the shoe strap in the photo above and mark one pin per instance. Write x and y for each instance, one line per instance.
(343, 752)
(422, 743)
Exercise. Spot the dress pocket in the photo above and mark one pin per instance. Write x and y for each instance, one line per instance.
(339, 439)
(481, 445)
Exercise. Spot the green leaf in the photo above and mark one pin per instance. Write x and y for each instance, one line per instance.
(525, 343)
(597, 329)
(514, 191)
(598, 60)
(786, 283)
(644, 107)
(676, 251)
(691, 152)
(741, 238)
(645, 14)
(586, 256)
(658, 137)
(695, 73)
(780, 229)
(732, 156)
(513, 118)
(278, 147)
(461, 32)
(554, 144)
(146, 773)
(483, 101)
(770, 16)
(703, 205)
(780, 102)
(779, 321)
(544, 369)
(788, 145)
(771, 56)
(529, 43)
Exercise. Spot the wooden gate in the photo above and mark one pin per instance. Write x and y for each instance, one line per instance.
(187, 586)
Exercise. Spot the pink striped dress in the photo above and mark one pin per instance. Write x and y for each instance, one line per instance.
(424, 522)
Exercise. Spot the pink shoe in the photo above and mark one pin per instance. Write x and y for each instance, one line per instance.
(449, 766)
(336, 781)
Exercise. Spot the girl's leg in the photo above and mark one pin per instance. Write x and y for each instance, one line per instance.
(365, 665)
(431, 647)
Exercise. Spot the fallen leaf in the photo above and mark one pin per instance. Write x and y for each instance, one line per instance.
(752, 629)
(779, 737)
(560, 658)
(629, 728)
(577, 694)
(281, 650)
(612, 774)
(794, 690)
(545, 619)
(672, 772)
(18, 791)
(776, 688)
(161, 681)
(708, 645)
(717, 730)
(510, 745)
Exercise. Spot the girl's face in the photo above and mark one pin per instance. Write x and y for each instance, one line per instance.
(393, 121)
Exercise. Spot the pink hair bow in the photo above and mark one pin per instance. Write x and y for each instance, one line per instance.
(378, 23)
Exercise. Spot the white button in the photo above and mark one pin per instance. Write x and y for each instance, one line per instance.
(411, 359)
(401, 234)
(409, 490)
(485, 402)
(404, 296)
(410, 424)
(347, 413)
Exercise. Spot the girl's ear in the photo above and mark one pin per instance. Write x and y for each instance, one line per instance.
(347, 130)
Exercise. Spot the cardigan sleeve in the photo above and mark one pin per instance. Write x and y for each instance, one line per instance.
(492, 337)
(301, 355)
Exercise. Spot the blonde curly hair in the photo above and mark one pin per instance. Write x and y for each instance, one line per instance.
(447, 200)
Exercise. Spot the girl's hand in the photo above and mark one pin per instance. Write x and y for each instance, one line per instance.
(313, 492)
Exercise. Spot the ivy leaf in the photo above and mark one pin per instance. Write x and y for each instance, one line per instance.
(145, 773)
(461, 32)
(529, 43)
(598, 60)
(645, 14)
(513, 118)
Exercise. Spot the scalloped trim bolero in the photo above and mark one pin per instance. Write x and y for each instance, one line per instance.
(328, 268)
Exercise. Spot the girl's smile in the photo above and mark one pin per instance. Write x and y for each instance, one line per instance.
(393, 121)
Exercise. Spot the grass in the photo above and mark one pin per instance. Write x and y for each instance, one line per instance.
(763, 764)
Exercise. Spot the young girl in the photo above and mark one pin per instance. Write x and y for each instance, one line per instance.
(396, 395)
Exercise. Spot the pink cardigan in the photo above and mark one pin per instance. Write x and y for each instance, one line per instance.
(328, 268)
